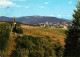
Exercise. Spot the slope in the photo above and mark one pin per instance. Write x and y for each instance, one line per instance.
(56, 34)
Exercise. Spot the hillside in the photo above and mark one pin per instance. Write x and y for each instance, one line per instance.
(55, 34)
(34, 19)
(44, 40)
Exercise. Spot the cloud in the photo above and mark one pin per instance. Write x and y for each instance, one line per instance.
(9, 3)
(68, 15)
(62, 16)
(70, 2)
(51, 15)
(6, 3)
(59, 15)
(27, 6)
(22, 6)
(18, 0)
(18, 6)
(41, 7)
(46, 2)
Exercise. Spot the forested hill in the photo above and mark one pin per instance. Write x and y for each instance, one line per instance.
(34, 19)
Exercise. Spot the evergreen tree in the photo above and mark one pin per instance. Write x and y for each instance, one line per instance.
(72, 41)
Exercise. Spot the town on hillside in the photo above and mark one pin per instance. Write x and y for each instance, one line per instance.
(55, 25)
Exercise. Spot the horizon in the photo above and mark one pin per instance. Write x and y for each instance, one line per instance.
(52, 8)
(39, 16)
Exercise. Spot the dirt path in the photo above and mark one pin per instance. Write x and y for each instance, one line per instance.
(11, 44)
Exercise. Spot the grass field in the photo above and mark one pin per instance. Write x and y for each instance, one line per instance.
(57, 34)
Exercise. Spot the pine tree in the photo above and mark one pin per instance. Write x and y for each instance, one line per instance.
(72, 41)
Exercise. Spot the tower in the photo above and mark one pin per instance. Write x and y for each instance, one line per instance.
(14, 22)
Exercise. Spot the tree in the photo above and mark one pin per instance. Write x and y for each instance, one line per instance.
(72, 41)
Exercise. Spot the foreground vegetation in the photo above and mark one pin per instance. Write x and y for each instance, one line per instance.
(37, 47)
(4, 36)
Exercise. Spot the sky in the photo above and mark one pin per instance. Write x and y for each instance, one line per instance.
(54, 8)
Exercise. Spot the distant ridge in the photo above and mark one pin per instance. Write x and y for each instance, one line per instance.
(34, 19)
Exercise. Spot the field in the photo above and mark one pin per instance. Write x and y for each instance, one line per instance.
(57, 34)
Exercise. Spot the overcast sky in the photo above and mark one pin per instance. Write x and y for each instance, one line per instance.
(54, 8)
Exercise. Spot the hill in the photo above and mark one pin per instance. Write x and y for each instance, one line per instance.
(34, 19)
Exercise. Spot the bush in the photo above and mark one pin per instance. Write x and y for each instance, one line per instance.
(4, 36)
(17, 29)
(37, 47)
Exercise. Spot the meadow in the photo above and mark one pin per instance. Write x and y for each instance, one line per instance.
(57, 34)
